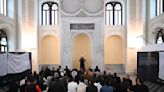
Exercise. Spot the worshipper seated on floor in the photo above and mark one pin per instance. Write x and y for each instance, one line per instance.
(139, 87)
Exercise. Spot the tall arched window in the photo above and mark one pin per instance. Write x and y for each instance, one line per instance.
(3, 41)
(3, 7)
(159, 7)
(113, 13)
(49, 13)
(160, 37)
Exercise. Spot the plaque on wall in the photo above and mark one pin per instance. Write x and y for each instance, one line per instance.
(82, 26)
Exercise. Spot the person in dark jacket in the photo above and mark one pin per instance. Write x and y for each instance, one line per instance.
(56, 86)
(139, 87)
(14, 85)
(91, 87)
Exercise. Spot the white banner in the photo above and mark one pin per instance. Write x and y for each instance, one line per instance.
(18, 62)
(161, 65)
(3, 64)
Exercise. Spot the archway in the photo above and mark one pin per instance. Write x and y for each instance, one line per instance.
(50, 50)
(114, 52)
(81, 46)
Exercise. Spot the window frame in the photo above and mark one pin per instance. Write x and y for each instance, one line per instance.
(113, 4)
(50, 10)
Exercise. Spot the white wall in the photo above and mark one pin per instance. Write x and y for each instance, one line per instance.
(8, 27)
(153, 47)
(154, 24)
(96, 36)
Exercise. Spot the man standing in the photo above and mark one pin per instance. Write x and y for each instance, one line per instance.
(82, 66)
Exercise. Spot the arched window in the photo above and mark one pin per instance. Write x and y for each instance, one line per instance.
(49, 13)
(3, 41)
(113, 13)
(3, 7)
(159, 7)
(160, 37)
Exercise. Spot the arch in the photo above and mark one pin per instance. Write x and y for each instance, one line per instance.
(3, 41)
(50, 50)
(160, 36)
(81, 46)
(10, 36)
(114, 51)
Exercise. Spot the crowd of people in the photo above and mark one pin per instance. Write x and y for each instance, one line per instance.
(66, 80)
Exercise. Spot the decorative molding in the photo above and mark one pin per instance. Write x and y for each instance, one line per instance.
(93, 7)
(154, 24)
(70, 8)
(115, 68)
(48, 30)
(115, 30)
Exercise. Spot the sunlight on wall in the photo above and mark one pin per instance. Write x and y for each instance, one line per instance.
(132, 60)
(81, 46)
(114, 53)
(50, 50)
(28, 38)
(135, 42)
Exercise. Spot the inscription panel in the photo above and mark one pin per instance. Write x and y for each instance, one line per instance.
(82, 26)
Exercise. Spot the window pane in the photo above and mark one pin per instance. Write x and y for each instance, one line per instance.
(53, 17)
(44, 15)
(3, 41)
(48, 18)
(117, 7)
(159, 40)
(161, 6)
(4, 7)
(157, 7)
(6, 49)
(2, 49)
(44, 18)
(54, 7)
(56, 17)
(111, 17)
(45, 7)
(116, 17)
(109, 7)
(1, 6)
(120, 18)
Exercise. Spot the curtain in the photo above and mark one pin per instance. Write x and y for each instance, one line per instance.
(18, 62)
(3, 64)
(161, 65)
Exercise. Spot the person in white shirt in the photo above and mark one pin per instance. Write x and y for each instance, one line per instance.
(82, 86)
(72, 86)
(74, 73)
(97, 84)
